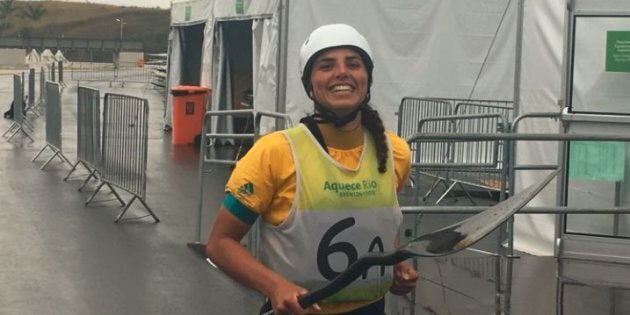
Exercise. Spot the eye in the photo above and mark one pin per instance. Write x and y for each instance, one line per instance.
(324, 66)
(354, 64)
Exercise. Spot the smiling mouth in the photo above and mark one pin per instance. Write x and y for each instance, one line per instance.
(342, 88)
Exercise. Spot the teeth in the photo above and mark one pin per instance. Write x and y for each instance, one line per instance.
(340, 88)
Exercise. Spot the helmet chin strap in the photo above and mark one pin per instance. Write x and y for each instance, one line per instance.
(338, 121)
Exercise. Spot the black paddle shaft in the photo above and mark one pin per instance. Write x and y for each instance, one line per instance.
(354, 271)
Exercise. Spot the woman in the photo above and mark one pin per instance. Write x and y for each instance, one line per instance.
(325, 189)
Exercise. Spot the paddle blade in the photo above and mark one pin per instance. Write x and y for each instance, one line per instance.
(465, 233)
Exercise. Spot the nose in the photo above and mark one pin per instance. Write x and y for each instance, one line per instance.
(342, 69)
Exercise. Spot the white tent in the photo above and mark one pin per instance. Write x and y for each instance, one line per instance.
(435, 48)
(33, 59)
(409, 41)
(59, 56)
(47, 57)
(188, 43)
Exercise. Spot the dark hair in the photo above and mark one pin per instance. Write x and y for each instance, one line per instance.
(371, 120)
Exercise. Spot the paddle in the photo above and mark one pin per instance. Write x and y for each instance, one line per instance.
(442, 242)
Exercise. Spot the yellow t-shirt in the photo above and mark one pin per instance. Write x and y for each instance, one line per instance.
(264, 179)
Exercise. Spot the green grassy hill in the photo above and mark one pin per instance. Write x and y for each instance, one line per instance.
(85, 20)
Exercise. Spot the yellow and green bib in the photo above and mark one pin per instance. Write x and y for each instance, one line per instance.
(338, 214)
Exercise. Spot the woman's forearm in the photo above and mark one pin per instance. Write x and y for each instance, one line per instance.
(226, 251)
(239, 263)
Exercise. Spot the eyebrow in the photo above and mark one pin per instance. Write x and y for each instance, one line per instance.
(325, 59)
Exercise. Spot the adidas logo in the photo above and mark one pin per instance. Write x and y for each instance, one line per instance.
(247, 189)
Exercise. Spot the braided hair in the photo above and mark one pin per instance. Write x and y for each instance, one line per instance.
(371, 121)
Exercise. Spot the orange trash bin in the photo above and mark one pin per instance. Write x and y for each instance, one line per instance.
(189, 102)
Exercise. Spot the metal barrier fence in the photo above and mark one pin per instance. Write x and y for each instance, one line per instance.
(480, 164)
(479, 106)
(409, 113)
(31, 87)
(466, 108)
(42, 84)
(504, 253)
(19, 121)
(88, 132)
(34, 102)
(124, 149)
(53, 124)
(60, 65)
(209, 155)
(110, 73)
(412, 110)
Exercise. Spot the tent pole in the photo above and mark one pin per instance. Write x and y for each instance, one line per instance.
(518, 57)
(281, 92)
(518, 54)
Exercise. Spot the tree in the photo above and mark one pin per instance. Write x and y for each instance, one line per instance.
(4, 25)
(25, 32)
(6, 7)
(33, 12)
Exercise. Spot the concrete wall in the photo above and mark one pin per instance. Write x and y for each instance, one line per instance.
(130, 59)
(12, 57)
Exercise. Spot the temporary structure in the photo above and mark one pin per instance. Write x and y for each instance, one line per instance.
(47, 57)
(432, 48)
(451, 48)
(33, 59)
(59, 56)
(487, 49)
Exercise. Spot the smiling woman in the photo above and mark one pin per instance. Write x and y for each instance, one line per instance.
(326, 191)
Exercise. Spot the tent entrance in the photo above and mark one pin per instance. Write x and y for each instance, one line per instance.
(191, 45)
(234, 74)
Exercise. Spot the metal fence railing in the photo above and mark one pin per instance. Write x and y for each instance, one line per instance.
(19, 122)
(53, 125)
(504, 248)
(124, 149)
(466, 108)
(480, 163)
(42, 84)
(210, 155)
(414, 109)
(409, 113)
(88, 132)
(31, 94)
(110, 73)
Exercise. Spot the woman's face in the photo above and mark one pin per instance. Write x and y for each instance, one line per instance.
(339, 79)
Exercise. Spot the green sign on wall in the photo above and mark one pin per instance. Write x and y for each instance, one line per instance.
(239, 6)
(597, 160)
(187, 13)
(618, 51)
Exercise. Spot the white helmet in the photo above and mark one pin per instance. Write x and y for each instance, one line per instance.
(329, 36)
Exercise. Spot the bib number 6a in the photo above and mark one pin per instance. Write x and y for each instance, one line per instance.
(326, 248)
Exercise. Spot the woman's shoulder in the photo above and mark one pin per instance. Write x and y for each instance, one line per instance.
(273, 138)
(272, 143)
(398, 144)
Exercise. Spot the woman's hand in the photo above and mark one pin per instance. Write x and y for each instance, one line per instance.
(405, 278)
(284, 299)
